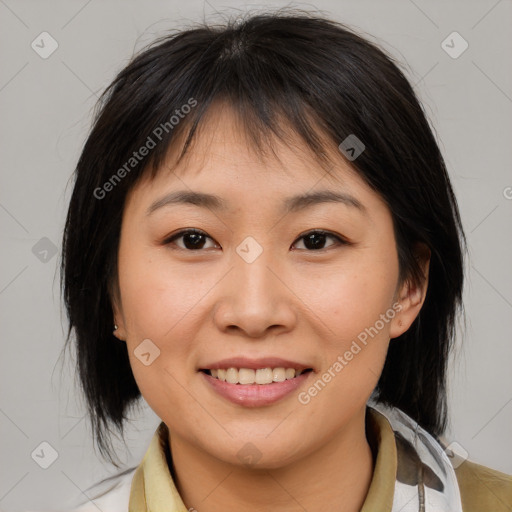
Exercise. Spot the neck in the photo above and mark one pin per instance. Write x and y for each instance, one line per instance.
(336, 476)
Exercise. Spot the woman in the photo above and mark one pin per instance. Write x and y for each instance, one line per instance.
(263, 243)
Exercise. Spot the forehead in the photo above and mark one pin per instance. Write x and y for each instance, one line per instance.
(223, 159)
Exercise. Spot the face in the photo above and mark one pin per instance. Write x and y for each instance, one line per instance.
(258, 280)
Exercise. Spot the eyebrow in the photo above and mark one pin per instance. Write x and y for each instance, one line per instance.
(290, 204)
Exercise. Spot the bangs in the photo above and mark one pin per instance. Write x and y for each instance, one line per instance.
(259, 132)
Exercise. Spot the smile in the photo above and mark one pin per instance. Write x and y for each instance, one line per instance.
(261, 376)
(251, 394)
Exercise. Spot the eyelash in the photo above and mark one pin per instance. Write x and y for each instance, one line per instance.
(180, 234)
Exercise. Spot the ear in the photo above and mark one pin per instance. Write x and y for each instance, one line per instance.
(411, 296)
(118, 317)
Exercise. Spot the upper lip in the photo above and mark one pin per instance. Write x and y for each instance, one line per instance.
(263, 362)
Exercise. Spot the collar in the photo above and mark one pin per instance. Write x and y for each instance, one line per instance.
(381, 439)
(153, 488)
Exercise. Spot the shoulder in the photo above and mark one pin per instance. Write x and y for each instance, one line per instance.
(483, 488)
(111, 494)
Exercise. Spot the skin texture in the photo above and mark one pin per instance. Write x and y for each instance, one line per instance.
(307, 305)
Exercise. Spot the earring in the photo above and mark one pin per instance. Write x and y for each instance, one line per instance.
(115, 328)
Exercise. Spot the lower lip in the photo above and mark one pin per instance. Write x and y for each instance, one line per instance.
(255, 395)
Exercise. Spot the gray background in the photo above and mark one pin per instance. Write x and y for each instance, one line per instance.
(46, 106)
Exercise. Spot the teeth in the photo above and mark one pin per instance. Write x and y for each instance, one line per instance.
(279, 375)
(232, 375)
(250, 376)
(264, 376)
(246, 376)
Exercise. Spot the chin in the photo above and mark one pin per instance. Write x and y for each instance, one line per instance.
(258, 453)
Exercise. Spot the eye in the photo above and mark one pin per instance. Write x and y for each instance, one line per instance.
(315, 240)
(193, 239)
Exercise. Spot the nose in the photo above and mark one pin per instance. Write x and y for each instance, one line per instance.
(254, 299)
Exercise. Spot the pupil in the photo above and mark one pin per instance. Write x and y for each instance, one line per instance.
(195, 239)
(310, 243)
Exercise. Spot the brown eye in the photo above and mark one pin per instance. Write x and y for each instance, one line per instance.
(193, 239)
(315, 240)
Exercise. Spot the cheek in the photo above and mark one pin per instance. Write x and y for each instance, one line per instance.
(351, 296)
(354, 303)
(158, 295)
(354, 341)
(159, 304)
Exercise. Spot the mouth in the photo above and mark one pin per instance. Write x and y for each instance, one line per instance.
(252, 376)
(255, 382)
(250, 388)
